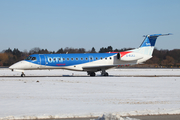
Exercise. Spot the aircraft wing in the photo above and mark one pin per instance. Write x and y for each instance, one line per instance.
(98, 68)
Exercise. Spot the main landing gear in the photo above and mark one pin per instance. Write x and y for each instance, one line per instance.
(22, 74)
(91, 73)
(103, 73)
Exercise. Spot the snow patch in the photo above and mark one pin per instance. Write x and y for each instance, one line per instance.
(69, 97)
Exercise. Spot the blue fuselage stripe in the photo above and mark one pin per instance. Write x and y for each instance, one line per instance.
(68, 59)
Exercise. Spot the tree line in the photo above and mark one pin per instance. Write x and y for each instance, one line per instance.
(165, 58)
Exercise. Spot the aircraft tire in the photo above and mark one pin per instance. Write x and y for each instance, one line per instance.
(106, 74)
(22, 75)
(92, 74)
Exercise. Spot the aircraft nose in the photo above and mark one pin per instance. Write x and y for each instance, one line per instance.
(14, 66)
(11, 67)
(17, 65)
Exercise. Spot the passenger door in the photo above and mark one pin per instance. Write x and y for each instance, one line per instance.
(42, 59)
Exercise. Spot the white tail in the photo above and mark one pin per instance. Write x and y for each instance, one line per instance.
(147, 46)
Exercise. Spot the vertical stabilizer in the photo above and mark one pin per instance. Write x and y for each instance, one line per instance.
(148, 44)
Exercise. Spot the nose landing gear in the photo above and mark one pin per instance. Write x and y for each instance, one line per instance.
(22, 74)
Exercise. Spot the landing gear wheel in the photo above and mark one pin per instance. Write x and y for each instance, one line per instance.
(92, 73)
(104, 73)
(22, 75)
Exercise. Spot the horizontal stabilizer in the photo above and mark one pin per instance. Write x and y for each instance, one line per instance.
(156, 35)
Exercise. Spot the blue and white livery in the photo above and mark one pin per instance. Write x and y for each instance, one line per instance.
(89, 62)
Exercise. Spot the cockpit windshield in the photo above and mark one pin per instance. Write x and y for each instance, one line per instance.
(33, 58)
(30, 58)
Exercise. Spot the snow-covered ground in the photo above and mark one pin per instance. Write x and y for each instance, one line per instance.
(61, 97)
(7, 72)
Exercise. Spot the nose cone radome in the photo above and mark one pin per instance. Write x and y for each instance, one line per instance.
(11, 67)
(19, 65)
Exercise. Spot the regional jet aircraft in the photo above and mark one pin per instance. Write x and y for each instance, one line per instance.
(89, 62)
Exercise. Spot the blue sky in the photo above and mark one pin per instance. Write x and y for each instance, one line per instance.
(55, 24)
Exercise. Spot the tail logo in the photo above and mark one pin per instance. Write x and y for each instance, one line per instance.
(148, 44)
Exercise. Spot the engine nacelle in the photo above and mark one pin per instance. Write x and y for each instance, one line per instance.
(129, 56)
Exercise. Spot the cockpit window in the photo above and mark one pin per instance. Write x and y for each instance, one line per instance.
(33, 58)
(28, 58)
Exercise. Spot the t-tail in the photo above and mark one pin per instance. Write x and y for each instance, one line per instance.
(147, 46)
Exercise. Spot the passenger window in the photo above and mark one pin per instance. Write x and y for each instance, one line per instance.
(49, 59)
(67, 58)
(106, 58)
(110, 58)
(63, 58)
(90, 58)
(81, 58)
(96, 58)
(72, 58)
(76, 58)
(86, 58)
(101, 58)
(54, 59)
(59, 59)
